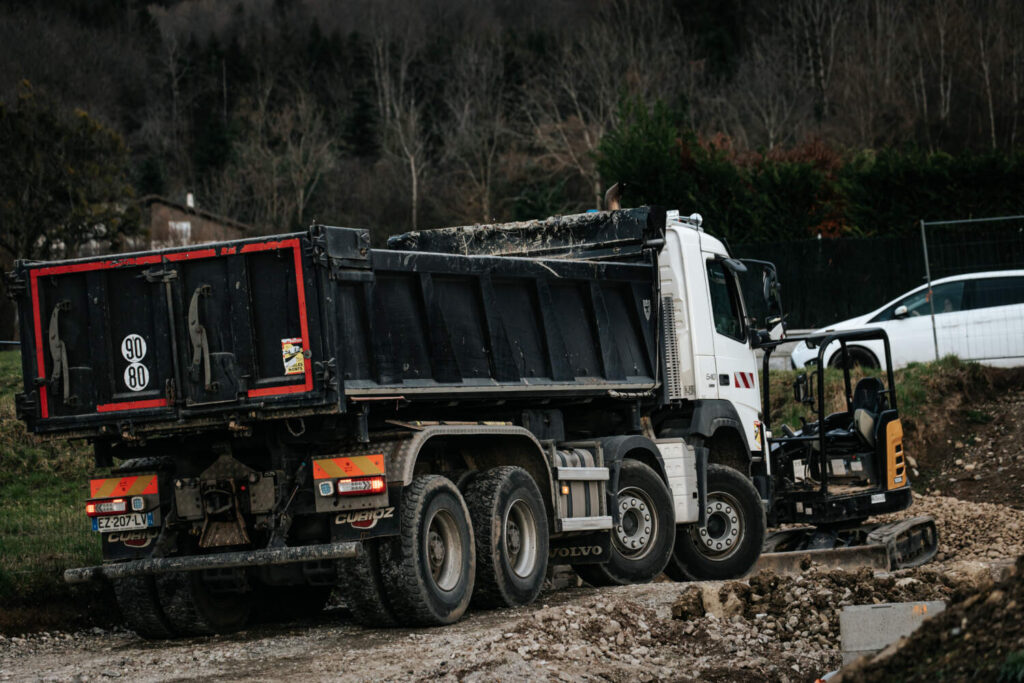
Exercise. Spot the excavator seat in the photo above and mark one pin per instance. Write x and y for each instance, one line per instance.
(856, 442)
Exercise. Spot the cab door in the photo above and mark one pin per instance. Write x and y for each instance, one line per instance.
(734, 360)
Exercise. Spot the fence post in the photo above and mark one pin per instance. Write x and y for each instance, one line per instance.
(931, 299)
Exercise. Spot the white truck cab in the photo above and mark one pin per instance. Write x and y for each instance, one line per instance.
(711, 358)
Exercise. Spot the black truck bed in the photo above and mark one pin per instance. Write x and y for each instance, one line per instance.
(182, 339)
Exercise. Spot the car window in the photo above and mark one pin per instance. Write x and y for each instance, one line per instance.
(995, 291)
(949, 297)
(724, 302)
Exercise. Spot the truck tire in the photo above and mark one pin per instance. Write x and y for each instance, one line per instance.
(361, 587)
(428, 569)
(511, 531)
(194, 610)
(729, 542)
(140, 607)
(642, 541)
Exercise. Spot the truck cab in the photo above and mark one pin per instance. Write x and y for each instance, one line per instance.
(709, 336)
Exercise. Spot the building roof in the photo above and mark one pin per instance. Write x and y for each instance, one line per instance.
(151, 199)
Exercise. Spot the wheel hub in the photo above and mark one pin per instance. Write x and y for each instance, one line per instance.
(444, 550)
(437, 553)
(723, 527)
(520, 543)
(637, 525)
(514, 537)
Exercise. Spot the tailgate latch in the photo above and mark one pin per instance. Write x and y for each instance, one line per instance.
(197, 334)
(58, 351)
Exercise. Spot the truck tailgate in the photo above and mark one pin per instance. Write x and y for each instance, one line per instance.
(158, 336)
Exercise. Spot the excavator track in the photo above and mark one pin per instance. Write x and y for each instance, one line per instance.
(894, 545)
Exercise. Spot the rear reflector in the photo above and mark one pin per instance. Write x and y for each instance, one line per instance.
(361, 486)
(111, 506)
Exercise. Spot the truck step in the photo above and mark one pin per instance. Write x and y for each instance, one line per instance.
(582, 473)
(585, 523)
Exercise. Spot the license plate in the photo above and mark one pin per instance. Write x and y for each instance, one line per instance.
(135, 520)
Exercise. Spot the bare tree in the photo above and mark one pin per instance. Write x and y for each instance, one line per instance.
(278, 165)
(401, 110)
(871, 84)
(937, 39)
(626, 51)
(477, 128)
(176, 64)
(768, 94)
(817, 28)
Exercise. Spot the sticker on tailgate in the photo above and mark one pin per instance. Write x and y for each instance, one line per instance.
(291, 354)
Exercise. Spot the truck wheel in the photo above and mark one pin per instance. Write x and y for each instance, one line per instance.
(511, 531)
(428, 570)
(140, 606)
(194, 610)
(729, 542)
(362, 588)
(642, 540)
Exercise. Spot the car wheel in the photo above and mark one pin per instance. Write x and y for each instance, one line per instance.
(858, 355)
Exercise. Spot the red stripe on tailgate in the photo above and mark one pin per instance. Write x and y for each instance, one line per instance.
(131, 405)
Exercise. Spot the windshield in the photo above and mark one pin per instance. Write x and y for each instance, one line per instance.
(949, 297)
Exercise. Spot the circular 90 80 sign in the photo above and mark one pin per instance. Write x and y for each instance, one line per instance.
(136, 376)
(133, 348)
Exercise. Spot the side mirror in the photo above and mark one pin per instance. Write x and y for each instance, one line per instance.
(776, 330)
(900, 312)
(800, 392)
(804, 388)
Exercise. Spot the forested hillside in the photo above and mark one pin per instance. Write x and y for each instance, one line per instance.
(775, 120)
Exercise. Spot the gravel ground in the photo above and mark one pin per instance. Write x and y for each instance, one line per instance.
(765, 628)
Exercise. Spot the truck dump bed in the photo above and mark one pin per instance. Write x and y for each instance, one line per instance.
(217, 335)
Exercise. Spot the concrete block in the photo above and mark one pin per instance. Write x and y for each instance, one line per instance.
(866, 629)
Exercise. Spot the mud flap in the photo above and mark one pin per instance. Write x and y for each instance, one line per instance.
(593, 548)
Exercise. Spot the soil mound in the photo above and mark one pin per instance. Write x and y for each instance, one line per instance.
(981, 638)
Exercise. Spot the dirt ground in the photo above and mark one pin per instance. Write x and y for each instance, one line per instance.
(980, 638)
(984, 462)
(778, 628)
(764, 628)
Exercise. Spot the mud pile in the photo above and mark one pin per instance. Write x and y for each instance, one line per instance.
(980, 638)
(806, 607)
(622, 639)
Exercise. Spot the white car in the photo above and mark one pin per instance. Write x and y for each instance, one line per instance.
(978, 317)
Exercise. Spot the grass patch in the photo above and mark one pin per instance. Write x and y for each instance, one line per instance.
(43, 486)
